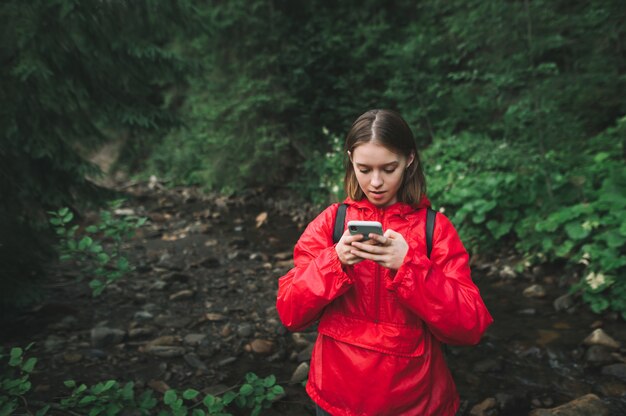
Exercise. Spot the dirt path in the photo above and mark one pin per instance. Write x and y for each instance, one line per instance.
(198, 312)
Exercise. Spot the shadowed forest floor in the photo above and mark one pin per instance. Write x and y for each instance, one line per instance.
(199, 312)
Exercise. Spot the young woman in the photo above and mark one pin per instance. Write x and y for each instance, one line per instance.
(384, 306)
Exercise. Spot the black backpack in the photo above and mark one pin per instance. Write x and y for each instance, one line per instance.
(430, 226)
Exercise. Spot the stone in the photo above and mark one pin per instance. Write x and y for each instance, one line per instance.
(226, 361)
(534, 291)
(102, 336)
(141, 332)
(143, 316)
(611, 389)
(615, 370)
(301, 373)
(181, 295)
(305, 354)
(165, 351)
(563, 303)
(159, 386)
(53, 343)
(195, 362)
(300, 340)
(599, 337)
(158, 285)
(245, 330)
(507, 272)
(260, 346)
(587, 405)
(598, 355)
(482, 409)
(194, 339)
(67, 323)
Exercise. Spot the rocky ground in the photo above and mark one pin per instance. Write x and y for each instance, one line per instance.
(199, 312)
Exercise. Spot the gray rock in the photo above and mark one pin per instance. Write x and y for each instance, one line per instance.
(69, 322)
(301, 373)
(195, 362)
(141, 332)
(563, 303)
(102, 336)
(615, 370)
(245, 330)
(53, 343)
(535, 291)
(305, 354)
(143, 316)
(194, 340)
(226, 361)
(165, 351)
(588, 405)
(598, 355)
(599, 337)
(484, 408)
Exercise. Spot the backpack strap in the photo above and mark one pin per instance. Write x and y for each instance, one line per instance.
(340, 219)
(430, 228)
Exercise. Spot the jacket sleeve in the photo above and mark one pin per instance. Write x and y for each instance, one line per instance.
(317, 278)
(440, 289)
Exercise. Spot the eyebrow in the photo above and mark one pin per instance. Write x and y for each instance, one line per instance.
(394, 163)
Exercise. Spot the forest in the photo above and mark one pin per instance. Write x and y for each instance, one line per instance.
(222, 125)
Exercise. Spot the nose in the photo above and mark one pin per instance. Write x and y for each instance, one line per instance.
(377, 180)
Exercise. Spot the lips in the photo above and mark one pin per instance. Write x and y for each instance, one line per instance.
(377, 194)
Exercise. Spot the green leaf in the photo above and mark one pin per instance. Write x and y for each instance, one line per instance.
(251, 377)
(70, 384)
(209, 400)
(29, 365)
(198, 412)
(63, 211)
(190, 394)
(576, 231)
(68, 217)
(87, 399)
(229, 397)
(170, 397)
(278, 390)
(92, 229)
(246, 390)
(269, 381)
(84, 243)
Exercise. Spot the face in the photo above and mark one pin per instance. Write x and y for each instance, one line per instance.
(379, 172)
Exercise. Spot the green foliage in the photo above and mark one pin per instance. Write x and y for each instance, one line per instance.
(107, 398)
(87, 249)
(497, 191)
(114, 398)
(15, 380)
(74, 76)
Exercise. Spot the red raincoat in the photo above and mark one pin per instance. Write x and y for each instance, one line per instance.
(378, 351)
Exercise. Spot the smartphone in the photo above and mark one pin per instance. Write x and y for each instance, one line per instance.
(365, 228)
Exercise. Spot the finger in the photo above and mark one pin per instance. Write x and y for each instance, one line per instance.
(366, 255)
(382, 240)
(389, 233)
(370, 248)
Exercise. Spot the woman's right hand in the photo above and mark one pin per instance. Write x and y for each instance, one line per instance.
(344, 249)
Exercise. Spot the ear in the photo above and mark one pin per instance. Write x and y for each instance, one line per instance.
(410, 160)
(350, 155)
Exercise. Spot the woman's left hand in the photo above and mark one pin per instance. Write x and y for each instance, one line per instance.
(389, 252)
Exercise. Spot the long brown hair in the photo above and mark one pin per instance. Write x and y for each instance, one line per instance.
(389, 129)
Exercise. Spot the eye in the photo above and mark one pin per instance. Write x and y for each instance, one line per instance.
(364, 170)
(390, 170)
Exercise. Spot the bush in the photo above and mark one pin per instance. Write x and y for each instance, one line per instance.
(563, 207)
